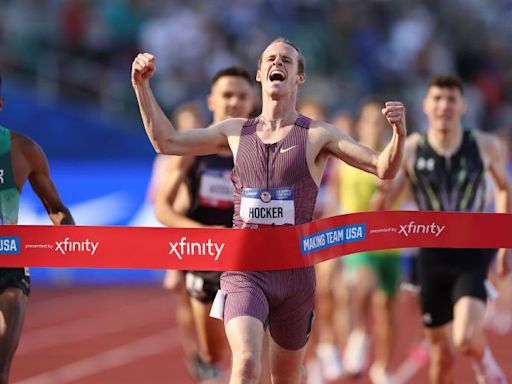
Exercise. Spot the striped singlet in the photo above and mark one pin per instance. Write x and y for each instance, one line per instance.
(276, 174)
(273, 186)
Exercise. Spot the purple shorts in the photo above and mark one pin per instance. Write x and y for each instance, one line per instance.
(282, 300)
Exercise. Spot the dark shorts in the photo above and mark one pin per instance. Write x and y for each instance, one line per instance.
(202, 285)
(15, 277)
(446, 275)
(282, 300)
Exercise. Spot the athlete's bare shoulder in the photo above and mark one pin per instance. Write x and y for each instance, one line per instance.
(233, 126)
(19, 139)
(26, 147)
(412, 140)
(411, 143)
(489, 144)
(321, 132)
(485, 138)
(232, 130)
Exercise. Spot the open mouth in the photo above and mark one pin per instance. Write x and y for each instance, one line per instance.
(277, 76)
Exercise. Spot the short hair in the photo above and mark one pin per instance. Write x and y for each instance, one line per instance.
(302, 62)
(234, 71)
(446, 81)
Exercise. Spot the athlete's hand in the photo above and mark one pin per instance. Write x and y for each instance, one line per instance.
(143, 68)
(394, 111)
(502, 263)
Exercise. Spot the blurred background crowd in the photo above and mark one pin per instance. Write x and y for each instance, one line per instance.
(66, 72)
(82, 49)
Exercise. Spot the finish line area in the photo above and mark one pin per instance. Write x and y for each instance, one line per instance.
(128, 334)
(234, 250)
(109, 333)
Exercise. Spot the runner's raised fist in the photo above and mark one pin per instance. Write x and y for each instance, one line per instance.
(143, 68)
(394, 111)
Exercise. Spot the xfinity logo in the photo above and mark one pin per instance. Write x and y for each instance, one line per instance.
(423, 229)
(184, 247)
(76, 246)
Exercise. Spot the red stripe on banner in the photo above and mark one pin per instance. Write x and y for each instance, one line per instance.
(248, 249)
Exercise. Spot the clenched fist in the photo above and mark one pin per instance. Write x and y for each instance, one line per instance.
(394, 111)
(143, 68)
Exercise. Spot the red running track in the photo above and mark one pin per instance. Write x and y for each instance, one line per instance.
(107, 335)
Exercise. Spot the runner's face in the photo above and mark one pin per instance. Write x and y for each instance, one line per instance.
(231, 96)
(444, 107)
(278, 72)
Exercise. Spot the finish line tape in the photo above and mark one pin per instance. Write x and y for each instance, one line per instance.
(248, 249)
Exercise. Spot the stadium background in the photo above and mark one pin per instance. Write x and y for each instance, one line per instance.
(66, 66)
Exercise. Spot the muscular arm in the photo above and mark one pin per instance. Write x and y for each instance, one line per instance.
(164, 138)
(385, 164)
(496, 163)
(497, 168)
(388, 191)
(43, 186)
(168, 183)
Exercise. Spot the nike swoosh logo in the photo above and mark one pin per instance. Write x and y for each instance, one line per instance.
(284, 150)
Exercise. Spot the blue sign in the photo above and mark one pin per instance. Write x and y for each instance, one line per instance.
(332, 237)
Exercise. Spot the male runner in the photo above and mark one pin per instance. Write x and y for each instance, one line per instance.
(446, 167)
(211, 204)
(21, 159)
(280, 156)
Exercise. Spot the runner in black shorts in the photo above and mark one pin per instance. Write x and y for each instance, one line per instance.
(21, 159)
(208, 179)
(461, 273)
(446, 167)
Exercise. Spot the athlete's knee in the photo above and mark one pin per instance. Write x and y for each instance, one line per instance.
(442, 356)
(464, 343)
(246, 366)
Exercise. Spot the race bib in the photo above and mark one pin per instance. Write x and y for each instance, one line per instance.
(216, 189)
(274, 206)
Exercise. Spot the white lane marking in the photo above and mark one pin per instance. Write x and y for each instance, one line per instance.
(113, 358)
(103, 324)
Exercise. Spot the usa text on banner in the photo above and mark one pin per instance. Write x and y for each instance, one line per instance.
(248, 249)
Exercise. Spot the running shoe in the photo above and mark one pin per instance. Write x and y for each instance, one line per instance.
(378, 375)
(201, 370)
(330, 361)
(488, 372)
(355, 357)
(314, 372)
